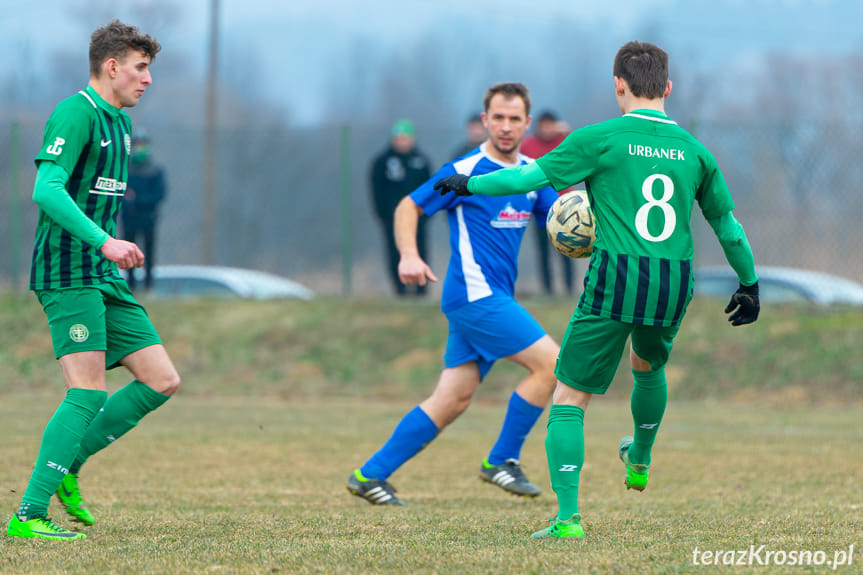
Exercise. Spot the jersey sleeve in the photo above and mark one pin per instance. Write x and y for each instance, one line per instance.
(713, 195)
(49, 193)
(574, 159)
(547, 196)
(431, 200)
(67, 133)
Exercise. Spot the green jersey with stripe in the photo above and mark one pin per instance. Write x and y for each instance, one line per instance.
(643, 174)
(91, 140)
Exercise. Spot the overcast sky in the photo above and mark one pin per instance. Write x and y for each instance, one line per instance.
(291, 39)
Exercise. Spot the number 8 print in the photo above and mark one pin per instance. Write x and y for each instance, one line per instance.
(662, 203)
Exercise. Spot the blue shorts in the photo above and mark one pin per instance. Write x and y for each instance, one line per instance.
(487, 330)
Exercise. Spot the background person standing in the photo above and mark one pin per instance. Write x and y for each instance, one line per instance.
(397, 171)
(145, 191)
(549, 132)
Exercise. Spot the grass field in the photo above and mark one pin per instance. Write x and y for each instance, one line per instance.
(244, 471)
(254, 486)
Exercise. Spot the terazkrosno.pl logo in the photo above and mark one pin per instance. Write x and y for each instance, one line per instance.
(79, 333)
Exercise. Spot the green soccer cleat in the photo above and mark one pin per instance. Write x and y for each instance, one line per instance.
(70, 496)
(40, 528)
(569, 528)
(636, 475)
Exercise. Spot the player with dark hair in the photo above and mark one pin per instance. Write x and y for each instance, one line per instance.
(643, 174)
(485, 321)
(95, 322)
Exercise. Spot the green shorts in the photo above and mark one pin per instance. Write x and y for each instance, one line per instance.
(104, 317)
(593, 346)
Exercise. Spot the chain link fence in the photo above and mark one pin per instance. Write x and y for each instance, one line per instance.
(296, 202)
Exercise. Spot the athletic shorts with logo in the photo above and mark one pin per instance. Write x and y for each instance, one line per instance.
(488, 329)
(593, 346)
(104, 317)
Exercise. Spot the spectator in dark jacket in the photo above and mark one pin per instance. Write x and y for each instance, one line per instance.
(144, 191)
(396, 172)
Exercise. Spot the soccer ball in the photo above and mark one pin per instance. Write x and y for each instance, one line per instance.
(571, 226)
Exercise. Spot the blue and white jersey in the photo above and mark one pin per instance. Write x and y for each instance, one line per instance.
(485, 232)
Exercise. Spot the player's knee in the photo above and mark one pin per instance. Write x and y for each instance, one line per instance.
(167, 383)
(545, 371)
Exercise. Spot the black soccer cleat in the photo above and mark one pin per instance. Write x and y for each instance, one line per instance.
(374, 491)
(509, 477)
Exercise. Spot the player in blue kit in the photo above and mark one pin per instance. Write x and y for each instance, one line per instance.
(485, 321)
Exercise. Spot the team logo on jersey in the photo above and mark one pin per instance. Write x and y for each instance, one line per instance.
(127, 141)
(79, 333)
(56, 148)
(509, 217)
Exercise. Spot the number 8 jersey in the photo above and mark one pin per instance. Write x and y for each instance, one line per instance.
(643, 174)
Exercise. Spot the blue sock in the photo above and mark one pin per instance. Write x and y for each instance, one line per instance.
(520, 419)
(414, 431)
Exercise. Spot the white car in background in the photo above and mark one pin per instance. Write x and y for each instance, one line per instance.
(782, 285)
(181, 281)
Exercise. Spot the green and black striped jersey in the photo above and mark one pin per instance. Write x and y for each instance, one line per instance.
(91, 140)
(643, 174)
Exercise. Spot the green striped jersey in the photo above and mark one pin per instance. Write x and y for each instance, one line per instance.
(91, 140)
(643, 174)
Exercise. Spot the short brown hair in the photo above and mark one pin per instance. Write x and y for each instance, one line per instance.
(644, 66)
(509, 90)
(115, 40)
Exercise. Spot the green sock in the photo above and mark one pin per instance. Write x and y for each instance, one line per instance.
(564, 447)
(60, 443)
(123, 410)
(649, 397)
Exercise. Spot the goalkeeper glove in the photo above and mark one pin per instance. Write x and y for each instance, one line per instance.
(456, 183)
(745, 301)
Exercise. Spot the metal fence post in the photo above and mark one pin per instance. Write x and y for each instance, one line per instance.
(347, 212)
(15, 204)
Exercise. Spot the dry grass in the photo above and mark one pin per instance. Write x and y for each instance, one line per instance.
(255, 486)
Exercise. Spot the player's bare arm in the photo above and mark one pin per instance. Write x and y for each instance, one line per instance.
(413, 270)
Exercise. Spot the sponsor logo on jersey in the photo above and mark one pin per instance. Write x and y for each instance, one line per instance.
(79, 333)
(109, 187)
(509, 217)
(650, 152)
(56, 148)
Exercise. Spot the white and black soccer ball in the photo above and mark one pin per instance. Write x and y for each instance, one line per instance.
(571, 226)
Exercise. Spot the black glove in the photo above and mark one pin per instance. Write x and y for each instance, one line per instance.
(745, 301)
(456, 183)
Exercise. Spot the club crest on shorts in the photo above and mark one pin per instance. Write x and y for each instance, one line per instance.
(79, 333)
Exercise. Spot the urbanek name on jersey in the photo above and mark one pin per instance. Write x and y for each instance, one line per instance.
(648, 152)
